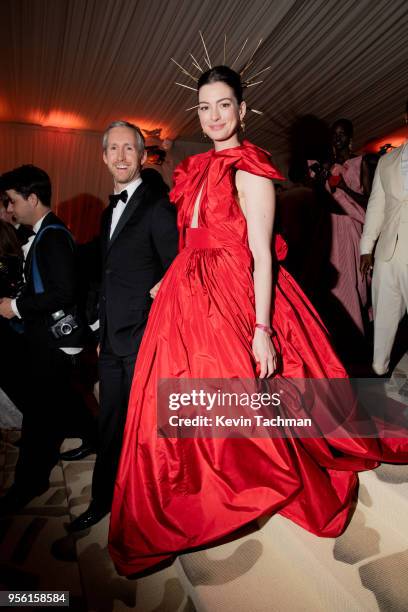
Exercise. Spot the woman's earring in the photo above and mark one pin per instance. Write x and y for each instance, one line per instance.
(243, 126)
(350, 146)
(204, 134)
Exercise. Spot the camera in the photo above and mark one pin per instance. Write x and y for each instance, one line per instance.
(64, 325)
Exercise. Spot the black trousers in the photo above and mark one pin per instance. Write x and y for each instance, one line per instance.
(115, 380)
(56, 411)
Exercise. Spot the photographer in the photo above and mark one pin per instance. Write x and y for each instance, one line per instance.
(53, 330)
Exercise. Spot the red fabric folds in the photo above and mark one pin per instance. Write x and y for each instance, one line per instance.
(174, 494)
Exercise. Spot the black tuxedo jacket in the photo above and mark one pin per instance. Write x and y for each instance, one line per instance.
(56, 258)
(141, 249)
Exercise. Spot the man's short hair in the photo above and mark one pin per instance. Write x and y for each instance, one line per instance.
(406, 107)
(140, 141)
(3, 196)
(28, 179)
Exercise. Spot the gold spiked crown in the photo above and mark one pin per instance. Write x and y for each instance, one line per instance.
(247, 82)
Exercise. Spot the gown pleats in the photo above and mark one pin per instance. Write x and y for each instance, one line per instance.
(173, 494)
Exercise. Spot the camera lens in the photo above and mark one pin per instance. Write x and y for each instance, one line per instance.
(66, 329)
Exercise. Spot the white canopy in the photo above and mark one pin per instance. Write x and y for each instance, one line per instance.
(79, 64)
(82, 63)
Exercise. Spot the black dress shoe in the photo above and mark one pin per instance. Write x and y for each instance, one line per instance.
(78, 453)
(86, 519)
(17, 498)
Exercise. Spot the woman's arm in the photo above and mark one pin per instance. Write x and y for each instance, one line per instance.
(257, 199)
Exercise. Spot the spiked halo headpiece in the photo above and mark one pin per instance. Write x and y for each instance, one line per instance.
(247, 82)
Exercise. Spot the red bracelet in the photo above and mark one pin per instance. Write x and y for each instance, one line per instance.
(265, 328)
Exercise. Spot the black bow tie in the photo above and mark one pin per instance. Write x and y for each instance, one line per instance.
(116, 197)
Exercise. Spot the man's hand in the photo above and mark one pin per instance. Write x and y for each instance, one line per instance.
(5, 309)
(154, 290)
(366, 264)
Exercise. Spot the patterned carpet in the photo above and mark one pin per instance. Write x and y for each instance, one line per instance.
(36, 553)
(273, 566)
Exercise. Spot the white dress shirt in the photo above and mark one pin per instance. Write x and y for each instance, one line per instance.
(69, 350)
(120, 206)
(27, 246)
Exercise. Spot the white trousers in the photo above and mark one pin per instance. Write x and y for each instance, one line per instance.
(390, 302)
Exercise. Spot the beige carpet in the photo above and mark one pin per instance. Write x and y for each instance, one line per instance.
(272, 567)
(36, 553)
(275, 566)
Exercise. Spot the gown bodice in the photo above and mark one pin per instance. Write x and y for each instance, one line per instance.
(213, 174)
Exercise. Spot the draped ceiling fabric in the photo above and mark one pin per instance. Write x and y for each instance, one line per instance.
(79, 64)
(73, 160)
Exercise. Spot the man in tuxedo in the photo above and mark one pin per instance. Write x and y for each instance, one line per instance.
(139, 241)
(53, 342)
(387, 220)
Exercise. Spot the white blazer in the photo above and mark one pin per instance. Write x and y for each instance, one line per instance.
(387, 211)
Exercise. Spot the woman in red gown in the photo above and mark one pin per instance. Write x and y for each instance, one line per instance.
(210, 320)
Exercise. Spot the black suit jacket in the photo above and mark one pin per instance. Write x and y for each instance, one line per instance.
(56, 257)
(141, 249)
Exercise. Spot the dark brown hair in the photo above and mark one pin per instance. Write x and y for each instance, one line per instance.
(26, 180)
(9, 244)
(225, 75)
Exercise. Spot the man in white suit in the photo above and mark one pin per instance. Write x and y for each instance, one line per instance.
(387, 220)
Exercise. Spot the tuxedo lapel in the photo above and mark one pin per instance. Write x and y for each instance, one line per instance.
(131, 206)
(27, 263)
(106, 223)
(395, 174)
(397, 168)
(50, 219)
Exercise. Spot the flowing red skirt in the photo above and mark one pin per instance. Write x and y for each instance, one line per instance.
(175, 494)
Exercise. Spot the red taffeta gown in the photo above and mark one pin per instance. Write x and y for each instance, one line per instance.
(174, 494)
